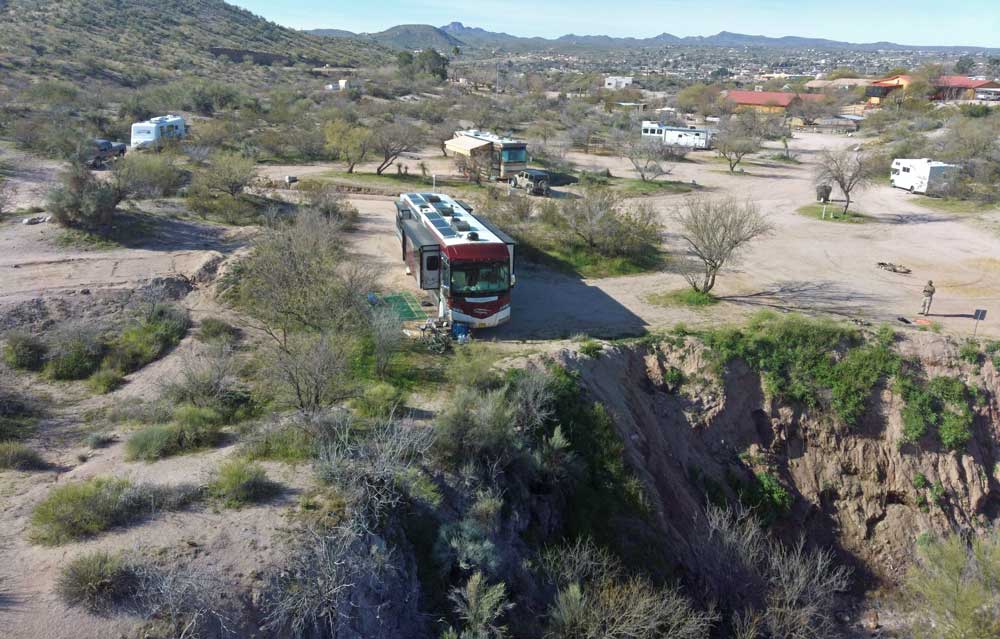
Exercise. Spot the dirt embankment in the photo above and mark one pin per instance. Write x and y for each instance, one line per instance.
(861, 490)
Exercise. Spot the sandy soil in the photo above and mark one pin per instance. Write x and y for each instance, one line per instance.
(806, 265)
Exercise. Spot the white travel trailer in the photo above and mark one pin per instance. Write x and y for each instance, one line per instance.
(151, 133)
(686, 136)
(922, 175)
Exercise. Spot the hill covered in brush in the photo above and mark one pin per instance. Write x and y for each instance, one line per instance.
(134, 42)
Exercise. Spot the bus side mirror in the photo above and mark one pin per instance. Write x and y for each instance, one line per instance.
(513, 280)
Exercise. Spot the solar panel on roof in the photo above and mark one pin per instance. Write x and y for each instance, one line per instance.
(447, 232)
(433, 217)
(416, 199)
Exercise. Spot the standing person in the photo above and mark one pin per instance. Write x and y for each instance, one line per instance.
(929, 290)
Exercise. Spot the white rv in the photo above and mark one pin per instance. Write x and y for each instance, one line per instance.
(922, 175)
(686, 136)
(151, 133)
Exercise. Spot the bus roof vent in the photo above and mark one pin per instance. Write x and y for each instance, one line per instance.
(473, 236)
(460, 225)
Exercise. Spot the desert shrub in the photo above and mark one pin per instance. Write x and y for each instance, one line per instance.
(15, 456)
(326, 200)
(283, 442)
(380, 400)
(82, 200)
(920, 481)
(24, 351)
(148, 175)
(100, 440)
(476, 425)
(766, 497)
(240, 482)
(940, 407)
(106, 380)
(789, 590)
(75, 352)
(194, 428)
(210, 381)
(796, 359)
(84, 509)
(969, 352)
(146, 339)
(213, 329)
(472, 365)
(591, 348)
(950, 590)
(596, 598)
(97, 581)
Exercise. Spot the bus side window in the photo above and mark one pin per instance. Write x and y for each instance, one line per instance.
(433, 262)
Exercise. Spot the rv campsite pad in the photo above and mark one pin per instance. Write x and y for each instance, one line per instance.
(406, 306)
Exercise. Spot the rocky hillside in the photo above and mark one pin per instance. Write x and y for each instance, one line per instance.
(133, 42)
(870, 489)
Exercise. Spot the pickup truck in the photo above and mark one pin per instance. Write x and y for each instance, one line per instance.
(104, 150)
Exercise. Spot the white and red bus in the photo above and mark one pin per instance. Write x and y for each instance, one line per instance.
(463, 260)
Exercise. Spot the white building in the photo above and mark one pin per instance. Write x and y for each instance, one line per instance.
(686, 136)
(616, 82)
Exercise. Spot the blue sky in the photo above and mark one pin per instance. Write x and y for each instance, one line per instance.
(968, 22)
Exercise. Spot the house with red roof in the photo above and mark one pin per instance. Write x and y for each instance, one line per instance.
(960, 87)
(768, 101)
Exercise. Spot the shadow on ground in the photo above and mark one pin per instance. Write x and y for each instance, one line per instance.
(809, 297)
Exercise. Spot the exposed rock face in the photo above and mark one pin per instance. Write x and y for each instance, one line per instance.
(853, 487)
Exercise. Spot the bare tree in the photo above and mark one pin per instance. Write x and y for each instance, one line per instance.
(387, 333)
(390, 141)
(298, 277)
(592, 216)
(717, 231)
(850, 170)
(647, 157)
(311, 370)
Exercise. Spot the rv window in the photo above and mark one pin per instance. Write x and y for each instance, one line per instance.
(514, 155)
(433, 262)
(645, 130)
(906, 169)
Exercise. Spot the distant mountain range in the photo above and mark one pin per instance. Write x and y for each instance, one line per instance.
(456, 34)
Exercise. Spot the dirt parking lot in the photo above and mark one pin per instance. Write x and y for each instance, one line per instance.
(807, 265)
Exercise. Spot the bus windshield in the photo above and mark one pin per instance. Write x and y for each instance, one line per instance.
(480, 279)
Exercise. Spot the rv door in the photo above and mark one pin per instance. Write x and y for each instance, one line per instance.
(430, 268)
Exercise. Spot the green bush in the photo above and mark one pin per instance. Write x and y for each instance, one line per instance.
(940, 407)
(380, 400)
(969, 352)
(213, 329)
(15, 456)
(591, 348)
(85, 509)
(769, 499)
(288, 443)
(74, 354)
(472, 365)
(147, 339)
(97, 581)
(920, 481)
(24, 351)
(796, 358)
(106, 380)
(193, 429)
(241, 482)
(149, 175)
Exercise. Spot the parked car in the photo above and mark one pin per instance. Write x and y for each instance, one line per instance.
(533, 181)
(102, 151)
